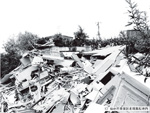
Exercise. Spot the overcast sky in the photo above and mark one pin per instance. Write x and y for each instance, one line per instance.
(48, 17)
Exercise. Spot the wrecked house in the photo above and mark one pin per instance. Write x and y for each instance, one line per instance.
(75, 82)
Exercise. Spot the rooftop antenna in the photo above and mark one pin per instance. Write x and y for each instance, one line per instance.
(98, 30)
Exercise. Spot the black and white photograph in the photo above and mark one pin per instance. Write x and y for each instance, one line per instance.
(75, 56)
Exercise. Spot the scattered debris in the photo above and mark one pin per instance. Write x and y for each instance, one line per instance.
(78, 82)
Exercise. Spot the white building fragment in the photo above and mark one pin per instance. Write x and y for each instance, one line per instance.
(89, 82)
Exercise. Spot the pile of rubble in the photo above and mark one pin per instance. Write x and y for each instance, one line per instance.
(87, 81)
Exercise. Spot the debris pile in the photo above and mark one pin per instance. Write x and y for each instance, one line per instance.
(87, 80)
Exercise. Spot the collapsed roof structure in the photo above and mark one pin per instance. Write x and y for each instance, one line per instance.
(89, 80)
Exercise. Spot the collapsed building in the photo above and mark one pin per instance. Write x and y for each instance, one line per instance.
(75, 82)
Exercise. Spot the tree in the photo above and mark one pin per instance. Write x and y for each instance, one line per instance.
(68, 43)
(88, 42)
(42, 40)
(23, 41)
(58, 40)
(139, 21)
(94, 44)
(11, 46)
(11, 59)
(80, 37)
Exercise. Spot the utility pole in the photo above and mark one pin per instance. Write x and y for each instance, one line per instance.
(98, 31)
